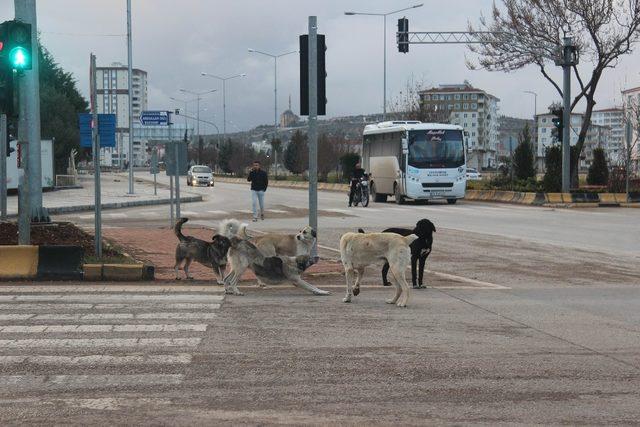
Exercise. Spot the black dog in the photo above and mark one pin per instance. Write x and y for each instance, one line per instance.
(420, 249)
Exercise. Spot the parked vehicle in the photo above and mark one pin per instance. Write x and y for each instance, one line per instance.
(473, 174)
(362, 192)
(200, 175)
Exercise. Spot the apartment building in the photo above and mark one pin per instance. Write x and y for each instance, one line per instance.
(614, 119)
(475, 110)
(112, 93)
(631, 107)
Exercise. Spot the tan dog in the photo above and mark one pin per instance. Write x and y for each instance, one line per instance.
(358, 250)
(275, 244)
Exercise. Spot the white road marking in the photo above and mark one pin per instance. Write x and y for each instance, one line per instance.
(338, 210)
(218, 212)
(99, 342)
(33, 329)
(481, 284)
(111, 289)
(115, 215)
(276, 211)
(99, 359)
(109, 316)
(85, 216)
(10, 383)
(98, 298)
(190, 213)
(77, 306)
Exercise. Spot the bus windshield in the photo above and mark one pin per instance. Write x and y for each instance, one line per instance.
(435, 148)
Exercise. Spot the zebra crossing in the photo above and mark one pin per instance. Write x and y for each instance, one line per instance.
(70, 338)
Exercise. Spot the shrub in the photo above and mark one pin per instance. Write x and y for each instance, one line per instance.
(523, 156)
(598, 171)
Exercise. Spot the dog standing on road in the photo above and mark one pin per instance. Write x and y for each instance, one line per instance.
(272, 244)
(420, 250)
(211, 254)
(358, 250)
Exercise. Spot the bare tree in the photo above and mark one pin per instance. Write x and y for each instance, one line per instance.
(407, 106)
(629, 152)
(527, 32)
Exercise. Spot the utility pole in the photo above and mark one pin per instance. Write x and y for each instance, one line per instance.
(627, 163)
(313, 129)
(4, 141)
(24, 208)
(29, 96)
(96, 160)
(568, 58)
(130, 85)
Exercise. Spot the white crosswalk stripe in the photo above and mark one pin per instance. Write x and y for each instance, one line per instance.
(101, 337)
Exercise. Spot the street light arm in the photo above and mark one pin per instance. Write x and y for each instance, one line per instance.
(287, 53)
(387, 13)
(261, 52)
(406, 8)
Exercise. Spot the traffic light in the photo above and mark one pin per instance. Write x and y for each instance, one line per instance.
(6, 92)
(557, 123)
(15, 45)
(304, 75)
(403, 35)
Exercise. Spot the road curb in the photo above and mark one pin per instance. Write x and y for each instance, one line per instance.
(45, 262)
(566, 200)
(115, 205)
(118, 272)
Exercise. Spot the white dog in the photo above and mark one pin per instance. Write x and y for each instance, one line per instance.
(358, 250)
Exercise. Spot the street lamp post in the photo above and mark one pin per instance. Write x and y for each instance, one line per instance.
(198, 98)
(535, 102)
(224, 98)
(275, 99)
(384, 39)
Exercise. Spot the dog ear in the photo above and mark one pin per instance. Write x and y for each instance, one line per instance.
(433, 227)
(360, 230)
(313, 233)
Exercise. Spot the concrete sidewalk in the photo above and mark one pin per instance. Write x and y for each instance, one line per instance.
(114, 189)
(158, 245)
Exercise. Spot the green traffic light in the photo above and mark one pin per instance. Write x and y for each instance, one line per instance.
(19, 58)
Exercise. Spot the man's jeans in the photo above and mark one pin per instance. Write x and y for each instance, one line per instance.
(257, 196)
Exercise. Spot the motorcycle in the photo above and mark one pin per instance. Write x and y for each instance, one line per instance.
(361, 194)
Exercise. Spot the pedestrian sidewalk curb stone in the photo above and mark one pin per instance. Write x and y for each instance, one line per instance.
(559, 200)
(115, 205)
(118, 272)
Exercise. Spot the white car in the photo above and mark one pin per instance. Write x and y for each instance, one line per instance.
(473, 174)
(200, 175)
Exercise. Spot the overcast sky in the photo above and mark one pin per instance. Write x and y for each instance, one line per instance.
(174, 41)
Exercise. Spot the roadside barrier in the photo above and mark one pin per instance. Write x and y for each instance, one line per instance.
(48, 262)
(554, 199)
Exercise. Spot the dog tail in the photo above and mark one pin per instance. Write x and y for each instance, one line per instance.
(360, 230)
(410, 238)
(233, 228)
(177, 229)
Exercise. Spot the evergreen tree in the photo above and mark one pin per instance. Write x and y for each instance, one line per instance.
(523, 156)
(296, 155)
(552, 181)
(60, 104)
(224, 156)
(598, 171)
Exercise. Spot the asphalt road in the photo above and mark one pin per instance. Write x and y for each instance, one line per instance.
(531, 317)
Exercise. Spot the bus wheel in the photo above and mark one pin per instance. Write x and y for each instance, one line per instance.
(399, 197)
(378, 198)
(452, 201)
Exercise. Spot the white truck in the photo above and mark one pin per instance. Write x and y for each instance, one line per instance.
(13, 172)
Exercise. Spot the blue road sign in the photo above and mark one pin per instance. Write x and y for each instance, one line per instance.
(106, 130)
(149, 118)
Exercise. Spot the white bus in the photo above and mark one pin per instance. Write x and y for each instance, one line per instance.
(415, 160)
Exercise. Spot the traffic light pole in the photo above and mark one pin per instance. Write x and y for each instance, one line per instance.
(313, 129)
(3, 167)
(29, 96)
(566, 110)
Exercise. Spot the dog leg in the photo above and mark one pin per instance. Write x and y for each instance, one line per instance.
(231, 284)
(187, 263)
(414, 274)
(219, 271)
(348, 274)
(398, 273)
(356, 286)
(309, 287)
(423, 260)
(396, 282)
(385, 271)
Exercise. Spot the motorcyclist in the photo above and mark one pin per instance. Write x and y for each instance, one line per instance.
(356, 174)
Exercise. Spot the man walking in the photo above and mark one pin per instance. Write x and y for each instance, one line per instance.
(259, 181)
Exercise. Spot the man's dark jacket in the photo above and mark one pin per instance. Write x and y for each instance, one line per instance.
(258, 179)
